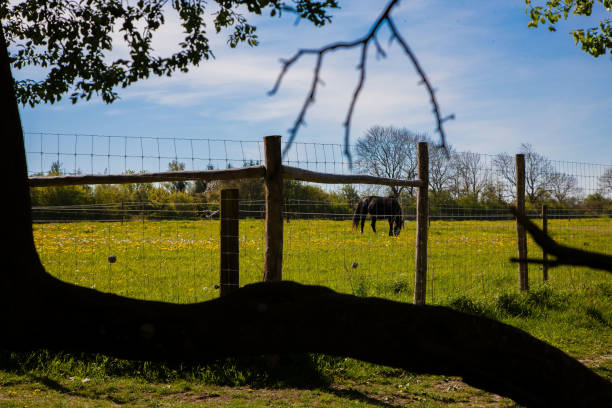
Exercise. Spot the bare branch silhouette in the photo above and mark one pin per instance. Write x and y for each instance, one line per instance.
(565, 255)
(363, 42)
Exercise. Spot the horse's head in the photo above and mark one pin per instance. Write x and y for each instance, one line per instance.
(399, 224)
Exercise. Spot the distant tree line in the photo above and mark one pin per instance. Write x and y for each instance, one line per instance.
(181, 199)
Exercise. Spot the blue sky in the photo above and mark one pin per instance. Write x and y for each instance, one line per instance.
(505, 83)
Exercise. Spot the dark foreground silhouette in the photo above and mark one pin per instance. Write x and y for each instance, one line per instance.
(39, 311)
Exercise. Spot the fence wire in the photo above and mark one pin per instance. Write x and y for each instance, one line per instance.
(170, 251)
(462, 174)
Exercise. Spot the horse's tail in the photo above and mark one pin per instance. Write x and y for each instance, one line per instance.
(361, 206)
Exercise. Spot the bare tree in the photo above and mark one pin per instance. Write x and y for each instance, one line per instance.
(441, 169)
(470, 176)
(538, 171)
(388, 152)
(562, 186)
(504, 166)
(605, 181)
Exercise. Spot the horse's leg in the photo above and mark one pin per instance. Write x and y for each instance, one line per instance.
(363, 220)
(374, 223)
(390, 219)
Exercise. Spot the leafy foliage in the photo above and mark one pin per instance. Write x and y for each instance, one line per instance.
(73, 40)
(181, 185)
(595, 41)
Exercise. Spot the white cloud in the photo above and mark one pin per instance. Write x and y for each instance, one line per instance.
(505, 83)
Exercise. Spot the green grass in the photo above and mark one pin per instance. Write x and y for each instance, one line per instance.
(179, 261)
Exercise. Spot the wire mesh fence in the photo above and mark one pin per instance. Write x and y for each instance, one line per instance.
(102, 154)
(144, 250)
(170, 250)
(460, 173)
(471, 257)
(161, 254)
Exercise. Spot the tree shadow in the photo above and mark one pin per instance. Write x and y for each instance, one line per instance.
(354, 395)
(49, 383)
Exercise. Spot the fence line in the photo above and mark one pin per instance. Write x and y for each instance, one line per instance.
(100, 154)
(465, 256)
(273, 173)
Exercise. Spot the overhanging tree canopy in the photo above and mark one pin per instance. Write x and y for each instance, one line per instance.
(595, 41)
(73, 40)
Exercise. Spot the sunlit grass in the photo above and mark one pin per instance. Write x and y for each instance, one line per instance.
(178, 261)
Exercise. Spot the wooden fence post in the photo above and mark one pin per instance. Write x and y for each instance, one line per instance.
(230, 260)
(273, 261)
(420, 265)
(544, 253)
(521, 236)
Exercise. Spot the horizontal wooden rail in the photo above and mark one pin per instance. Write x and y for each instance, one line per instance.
(224, 174)
(288, 172)
(295, 173)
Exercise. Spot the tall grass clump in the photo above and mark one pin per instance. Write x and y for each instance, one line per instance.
(468, 305)
(533, 303)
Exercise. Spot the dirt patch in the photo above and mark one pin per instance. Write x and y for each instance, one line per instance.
(595, 361)
(222, 395)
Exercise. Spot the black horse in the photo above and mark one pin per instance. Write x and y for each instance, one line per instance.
(379, 208)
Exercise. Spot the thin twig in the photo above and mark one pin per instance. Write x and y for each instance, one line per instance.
(363, 42)
(349, 115)
(425, 81)
(565, 255)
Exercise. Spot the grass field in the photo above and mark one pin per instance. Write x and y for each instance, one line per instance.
(178, 261)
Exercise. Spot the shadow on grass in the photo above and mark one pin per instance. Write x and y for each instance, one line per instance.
(291, 370)
(596, 315)
(49, 383)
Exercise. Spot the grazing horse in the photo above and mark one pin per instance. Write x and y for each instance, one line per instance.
(379, 208)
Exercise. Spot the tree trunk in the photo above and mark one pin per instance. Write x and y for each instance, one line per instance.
(37, 310)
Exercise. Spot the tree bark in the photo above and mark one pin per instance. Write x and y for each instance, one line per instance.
(420, 257)
(229, 280)
(521, 234)
(273, 258)
(295, 173)
(37, 310)
(208, 175)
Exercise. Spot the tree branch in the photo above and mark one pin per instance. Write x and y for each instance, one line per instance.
(565, 255)
(425, 81)
(363, 42)
(286, 317)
